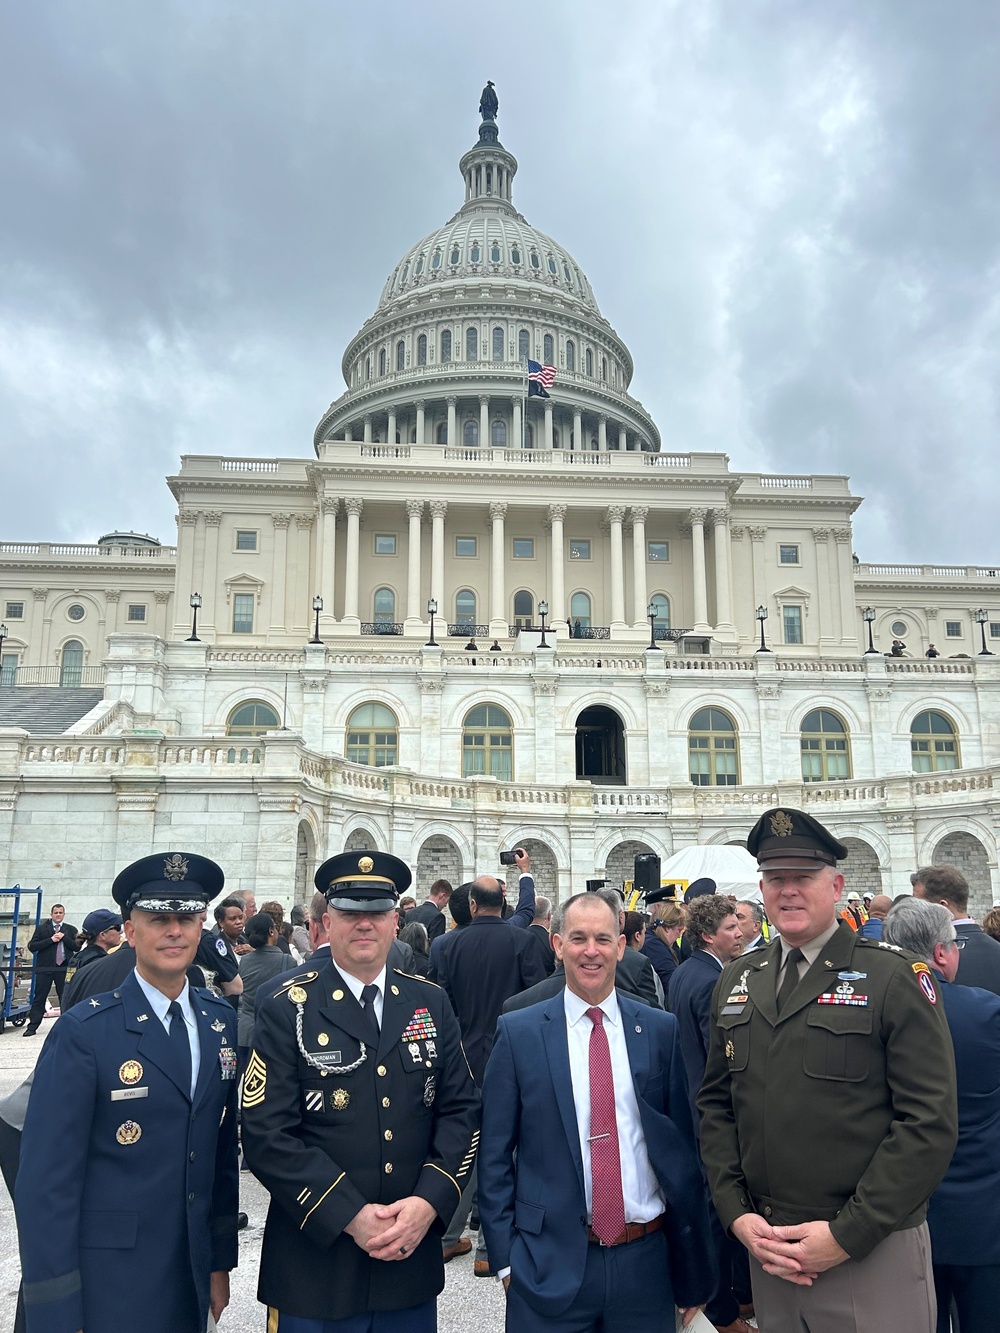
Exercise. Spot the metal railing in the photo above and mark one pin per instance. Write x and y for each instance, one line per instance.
(465, 629)
(67, 678)
(369, 627)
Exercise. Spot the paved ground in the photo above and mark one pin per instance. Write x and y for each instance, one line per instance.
(465, 1303)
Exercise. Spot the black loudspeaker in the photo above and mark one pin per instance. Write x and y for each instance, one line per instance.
(646, 874)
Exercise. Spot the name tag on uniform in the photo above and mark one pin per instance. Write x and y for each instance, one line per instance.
(732, 1009)
(128, 1094)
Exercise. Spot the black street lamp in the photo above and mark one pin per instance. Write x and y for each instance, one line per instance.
(868, 616)
(3, 635)
(543, 611)
(981, 619)
(195, 603)
(761, 614)
(317, 607)
(651, 616)
(432, 608)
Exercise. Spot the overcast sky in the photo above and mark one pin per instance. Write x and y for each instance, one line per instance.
(789, 210)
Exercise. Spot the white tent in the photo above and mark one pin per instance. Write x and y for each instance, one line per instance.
(733, 869)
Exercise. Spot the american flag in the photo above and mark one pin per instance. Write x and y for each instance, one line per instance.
(540, 379)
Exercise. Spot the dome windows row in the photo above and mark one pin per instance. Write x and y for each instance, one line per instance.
(474, 251)
(474, 344)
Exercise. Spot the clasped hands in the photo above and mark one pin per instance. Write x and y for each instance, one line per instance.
(391, 1230)
(798, 1254)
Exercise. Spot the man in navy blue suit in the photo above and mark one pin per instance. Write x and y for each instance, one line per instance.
(964, 1212)
(590, 1192)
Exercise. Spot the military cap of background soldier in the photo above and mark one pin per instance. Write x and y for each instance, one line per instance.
(699, 888)
(364, 881)
(102, 918)
(782, 839)
(667, 893)
(175, 882)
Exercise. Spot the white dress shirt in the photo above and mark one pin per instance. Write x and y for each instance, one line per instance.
(356, 987)
(160, 1003)
(643, 1196)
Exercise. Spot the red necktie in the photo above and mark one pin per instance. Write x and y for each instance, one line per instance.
(608, 1204)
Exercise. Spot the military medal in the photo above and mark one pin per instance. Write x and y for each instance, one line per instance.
(130, 1072)
(420, 1027)
(414, 1050)
(228, 1060)
(431, 1048)
(298, 995)
(128, 1133)
(218, 1026)
(340, 1099)
(314, 1100)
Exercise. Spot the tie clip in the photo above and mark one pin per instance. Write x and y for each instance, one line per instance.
(592, 1138)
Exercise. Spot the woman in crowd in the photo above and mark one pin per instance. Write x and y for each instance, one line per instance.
(277, 914)
(415, 935)
(666, 923)
(264, 961)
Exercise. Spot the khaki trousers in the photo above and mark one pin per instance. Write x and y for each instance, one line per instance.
(892, 1291)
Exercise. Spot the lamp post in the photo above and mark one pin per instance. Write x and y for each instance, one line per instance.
(761, 614)
(981, 619)
(432, 608)
(651, 617)
(868, 616)
(543, 611)
(317, 607)
(195, 603)
(3, 635)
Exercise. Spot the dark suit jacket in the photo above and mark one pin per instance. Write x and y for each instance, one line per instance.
(639, 976)
(979, 964)
(664, 962)
(531, 1192)
(545, 949)
(430, 916)
(488, 963)
(964, 1212)
(691, 1004)
(44, 950)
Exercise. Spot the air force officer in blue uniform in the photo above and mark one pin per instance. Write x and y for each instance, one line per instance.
(127, 1191)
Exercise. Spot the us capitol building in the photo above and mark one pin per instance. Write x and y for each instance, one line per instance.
(475, 619)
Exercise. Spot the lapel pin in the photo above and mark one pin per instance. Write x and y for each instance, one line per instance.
(218, 1025)
(394, 989)
(338, 994)
(638, 1029)
(141, 1018)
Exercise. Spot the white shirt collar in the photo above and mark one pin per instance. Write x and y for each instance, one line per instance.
(576, 1008)
(356, 986)
(160, 1003)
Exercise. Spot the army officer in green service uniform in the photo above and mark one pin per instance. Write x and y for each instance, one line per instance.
(828, 1107)
(361, 1118)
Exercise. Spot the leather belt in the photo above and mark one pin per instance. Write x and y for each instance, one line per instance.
(633, 1231)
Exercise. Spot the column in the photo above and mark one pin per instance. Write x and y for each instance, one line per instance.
(419, 405)
(602, 434)
(414, 513)
(548, 423)
(560, 611)
(639, 597)
(210, 577)
(390, 436)
(451, 422)
(724, 627)
(696, 517)
(577, 428)
(162, 598)
(368, 430)
(844, 577)
(616, 517)
(300, 581)
(622, 439)
(352, 565)
(498, 600)
(760, 590)
(484, 421)
(279, 563)
(438, 510)
(517, 434)
(328, 561)
(828, 599)
(112, 596)
(183, 588)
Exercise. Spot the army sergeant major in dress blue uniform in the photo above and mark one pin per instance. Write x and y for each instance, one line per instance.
(360, 1116)
(128, 1183)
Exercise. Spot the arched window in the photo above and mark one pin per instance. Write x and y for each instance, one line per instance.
(494, 253)
(588, 361)
(252, 719)
(553, 266)
(548, 349)
(661, 621)
(487, 743)
(372, 736)
(529, 435)
(523, 344)
(381, 361)
(570, 354)
(579, 611)
(475, 254)
(566, 275)
(436, 260)
(418, 267)
(556, 440)
(470, 434)
(465, 612)
(933, 743)
(498, 341)
(456, 254)
(604, 368)
(385, 606)
(71, 665)
(422, 350)
(445, 344)
(713, 749)
(498, 434)
(515, 255)
(406, 272)
(471, 344)
(826, 752)
(401, 355)
(536, 263)
(368, 367)
(442, 432)
(524, 610)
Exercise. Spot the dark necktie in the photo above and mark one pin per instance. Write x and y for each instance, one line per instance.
(180, 1045)
(60, 953)
(789, 978)
(607, 1201)
(370, 1024)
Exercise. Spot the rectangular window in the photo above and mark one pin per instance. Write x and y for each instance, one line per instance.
(995, 629)
(658, 551)
(953, 629)
(579, 550)
(524, 548)
(465, 546)
(15, 610)
(385, 544)
(788, 555)
(136, 612)
(791, 619)
(246, 540)
(8, 669)
(243, 613)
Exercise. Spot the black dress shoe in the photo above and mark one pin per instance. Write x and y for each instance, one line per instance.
(29, 1032)
(241, 1221)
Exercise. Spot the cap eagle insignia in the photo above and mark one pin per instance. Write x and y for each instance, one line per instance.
(175, 867)
(781, 824)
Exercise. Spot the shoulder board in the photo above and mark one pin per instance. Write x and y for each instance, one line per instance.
(296, 979)
(413, 977)
(95, 1004)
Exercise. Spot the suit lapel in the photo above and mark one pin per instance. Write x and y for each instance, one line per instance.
(396, 1014)
(760, 981)
(637, 1043)
(835, 954)
(344, 1013)
(153, 1044)
(556, 1045)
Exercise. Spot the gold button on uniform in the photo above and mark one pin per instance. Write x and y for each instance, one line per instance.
(388, 1135)
(385, 1101)
(388, 1168)
(381, 1071)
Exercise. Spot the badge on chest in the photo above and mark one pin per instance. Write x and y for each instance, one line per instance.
(419, 1038)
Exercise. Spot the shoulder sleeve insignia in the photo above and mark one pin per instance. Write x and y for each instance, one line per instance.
(220, 946)
(254, 1081)
(920, 967)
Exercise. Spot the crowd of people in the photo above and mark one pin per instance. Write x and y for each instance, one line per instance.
(779, 1113)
